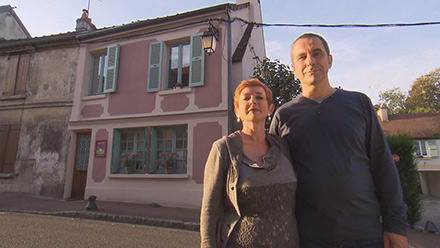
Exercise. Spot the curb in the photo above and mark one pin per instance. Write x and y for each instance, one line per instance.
(127, 219)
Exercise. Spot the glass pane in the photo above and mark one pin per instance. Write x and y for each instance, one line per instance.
(423, 148)
(95, 75)
(174, 66)
(185, 76)
(186, 61)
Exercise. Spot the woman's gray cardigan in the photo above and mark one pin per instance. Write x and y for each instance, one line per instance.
(220, 211)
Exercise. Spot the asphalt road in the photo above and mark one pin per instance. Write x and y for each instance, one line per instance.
(27, 230)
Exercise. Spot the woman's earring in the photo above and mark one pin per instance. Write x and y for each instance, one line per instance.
(238, 118)
(268, 116)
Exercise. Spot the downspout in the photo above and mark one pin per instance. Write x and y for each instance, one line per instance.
(230, 105)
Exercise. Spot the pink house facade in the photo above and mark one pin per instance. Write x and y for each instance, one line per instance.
(148, 91)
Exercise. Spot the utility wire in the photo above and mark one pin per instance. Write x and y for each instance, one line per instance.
(380, 25)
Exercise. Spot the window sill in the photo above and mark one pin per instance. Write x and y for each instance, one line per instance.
(13, 97)
(423, 158)
(6, 175)
(175, 91)
(94, 97)
(148, 176)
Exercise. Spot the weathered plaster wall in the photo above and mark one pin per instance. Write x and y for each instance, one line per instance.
(43, 114)
(9, 28)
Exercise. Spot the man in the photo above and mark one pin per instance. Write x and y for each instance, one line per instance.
(349, 193)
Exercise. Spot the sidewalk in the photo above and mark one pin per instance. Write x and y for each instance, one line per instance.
(181, 218)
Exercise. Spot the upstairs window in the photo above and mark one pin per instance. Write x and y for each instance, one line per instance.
(104, 71)
(179, 64)
(426, 149)
(185, 64)
(97, 74)
(16, 75)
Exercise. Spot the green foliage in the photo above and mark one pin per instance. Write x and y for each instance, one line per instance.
(280, 79)
(394, 100)
(423, 97)
(403, 146)
(425, 93)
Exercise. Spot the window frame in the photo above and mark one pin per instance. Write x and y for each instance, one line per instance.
(155, 82)
(170, 85)
(100, 73)
(149, 151)
(418, 148)
(107, 70)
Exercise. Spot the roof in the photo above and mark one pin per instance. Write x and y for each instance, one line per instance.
(417, 126)
(78, 36)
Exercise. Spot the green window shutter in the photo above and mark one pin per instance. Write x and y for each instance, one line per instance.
(116, 151)
(433, 148)
(155, 67)
(153, 150)
(111, 75)
(197, 67)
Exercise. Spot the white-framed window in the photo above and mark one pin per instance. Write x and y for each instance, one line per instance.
(178, 65)
(104, 71)
(426, 149)
(184, 62)
(147, 144)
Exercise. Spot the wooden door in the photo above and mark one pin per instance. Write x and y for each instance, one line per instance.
(81, 165)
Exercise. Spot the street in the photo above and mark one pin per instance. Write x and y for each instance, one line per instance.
(27, 230)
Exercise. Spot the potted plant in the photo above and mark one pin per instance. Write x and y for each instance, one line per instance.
(177, 85)
(167, 161)
(128, 160)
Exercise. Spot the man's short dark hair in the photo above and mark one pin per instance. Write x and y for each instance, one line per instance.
(311, 35)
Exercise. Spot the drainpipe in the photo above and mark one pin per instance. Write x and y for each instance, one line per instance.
(230, 105)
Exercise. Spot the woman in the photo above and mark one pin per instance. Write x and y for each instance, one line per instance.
(249, 182)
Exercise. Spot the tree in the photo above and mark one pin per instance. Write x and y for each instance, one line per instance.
(280, 79)
(424, 95)
(394, 100)
(403, 146)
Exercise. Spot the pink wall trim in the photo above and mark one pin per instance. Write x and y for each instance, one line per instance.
(210, 95)
(174, 103)
(91, 111)
(98, 168)
(204, 135)
(131, 96)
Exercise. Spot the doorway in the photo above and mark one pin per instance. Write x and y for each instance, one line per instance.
(79, 180)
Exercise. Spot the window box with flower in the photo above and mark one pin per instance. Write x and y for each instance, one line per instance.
(129, 161)
(167, 162)
(177, 85)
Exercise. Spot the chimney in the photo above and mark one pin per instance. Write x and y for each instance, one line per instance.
(382, 113)
(84, 23)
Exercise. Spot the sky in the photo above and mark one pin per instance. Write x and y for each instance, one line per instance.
(369, 60)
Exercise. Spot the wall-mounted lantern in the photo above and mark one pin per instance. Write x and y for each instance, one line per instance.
(209, 39)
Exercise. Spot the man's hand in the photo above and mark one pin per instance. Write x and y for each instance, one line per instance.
(392, 240)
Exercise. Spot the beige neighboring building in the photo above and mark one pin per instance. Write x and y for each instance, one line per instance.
(11, 26)
(37, 80)
(424, 128)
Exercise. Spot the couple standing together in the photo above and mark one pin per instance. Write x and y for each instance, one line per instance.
(329, 181)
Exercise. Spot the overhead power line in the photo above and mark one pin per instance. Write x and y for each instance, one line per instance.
(341, 25)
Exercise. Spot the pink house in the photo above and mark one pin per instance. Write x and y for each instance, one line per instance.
(147, 90)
